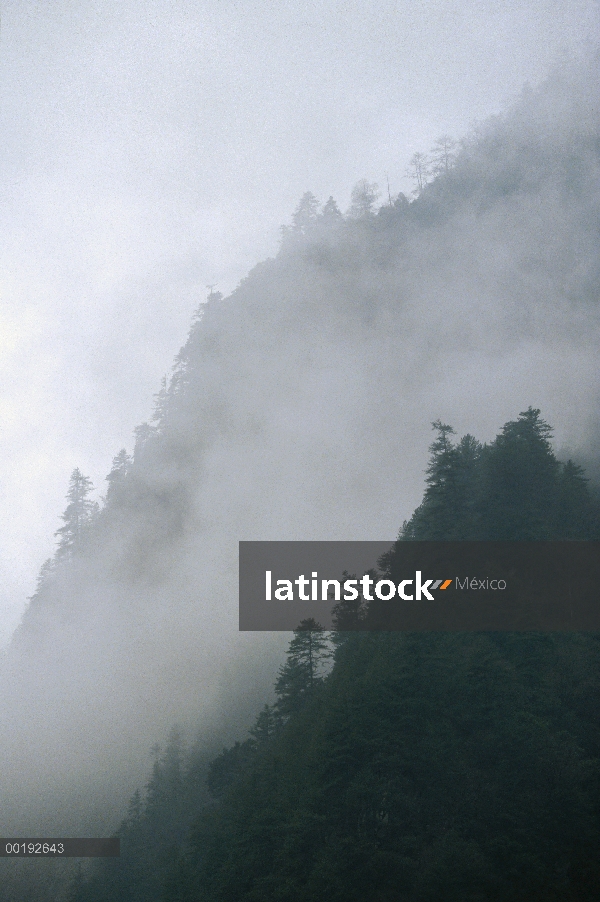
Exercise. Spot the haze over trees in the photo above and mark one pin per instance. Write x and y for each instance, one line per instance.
(78, 514)
(299, 408)
(461, 766)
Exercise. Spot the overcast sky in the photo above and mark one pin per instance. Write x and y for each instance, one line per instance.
(150, 149)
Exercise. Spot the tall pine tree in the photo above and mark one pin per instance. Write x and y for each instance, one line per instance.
(77, 515)
(303, 670)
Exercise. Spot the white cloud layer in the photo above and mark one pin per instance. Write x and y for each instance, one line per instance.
(151, 149)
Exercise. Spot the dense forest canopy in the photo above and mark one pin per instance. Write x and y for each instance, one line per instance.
(420, 765)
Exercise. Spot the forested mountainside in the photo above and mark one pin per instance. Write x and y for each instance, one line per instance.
(298, 409)
(421, 766)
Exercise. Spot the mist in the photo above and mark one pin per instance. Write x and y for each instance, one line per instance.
(308, 388)
(301, 408)
(151, 151)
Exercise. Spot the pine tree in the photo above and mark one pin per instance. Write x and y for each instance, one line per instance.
(161, 398)
(134, 810)
(331, 213)
(513, 489)
(303, 670)
(465, 488)
(519, 482)
(121, 466)
(77, 516)
(305, 215)
(434, 518)
(180, 376)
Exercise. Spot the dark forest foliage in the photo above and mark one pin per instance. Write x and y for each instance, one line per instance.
(513, 489)
(422, 766)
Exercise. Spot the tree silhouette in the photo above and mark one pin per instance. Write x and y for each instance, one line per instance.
(303, 670)
(519, 481)
(331, 212)
(512, 489)
(121, 466)
(305, 214)
(443, 155)
(418, 171)
(77, 515)
(161, 401)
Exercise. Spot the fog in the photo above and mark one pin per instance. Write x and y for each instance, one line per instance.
(151, 150)
(152, 153)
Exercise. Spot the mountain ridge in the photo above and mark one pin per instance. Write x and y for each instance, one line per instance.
(299, 409)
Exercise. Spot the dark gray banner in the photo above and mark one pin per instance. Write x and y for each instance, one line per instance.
(420, 585)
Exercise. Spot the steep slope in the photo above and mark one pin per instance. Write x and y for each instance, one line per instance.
(421, 766)
(299, 409)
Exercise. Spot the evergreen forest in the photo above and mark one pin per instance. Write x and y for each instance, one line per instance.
(346, 766)
(401, 766)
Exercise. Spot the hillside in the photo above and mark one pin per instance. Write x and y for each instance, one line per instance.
(299, 408)
(421, 766)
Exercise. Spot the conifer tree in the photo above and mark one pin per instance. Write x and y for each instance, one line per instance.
(303, 670)
(305, 214)
(519, 481)
(435, 516)
(180, 377)
(46, 571)
(331, 213)
(161, 399)
(121, 466)
(134, 810)
(165, 786)
(77, 515)
(467, 460)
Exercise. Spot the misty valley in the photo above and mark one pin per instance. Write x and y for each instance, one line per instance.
(343, 765)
